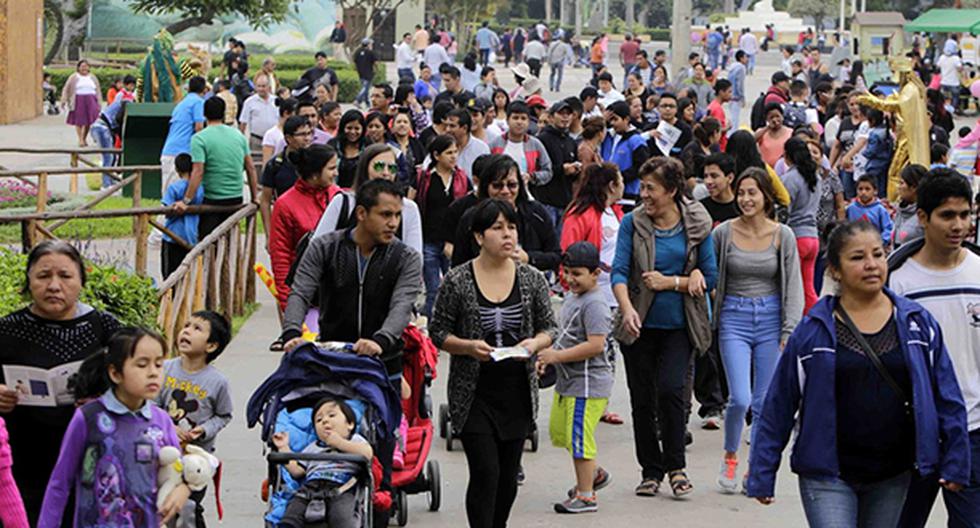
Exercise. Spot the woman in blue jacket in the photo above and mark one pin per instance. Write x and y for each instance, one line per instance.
(862, 426)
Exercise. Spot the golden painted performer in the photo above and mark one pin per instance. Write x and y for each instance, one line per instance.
(908, 106)
(162, 73)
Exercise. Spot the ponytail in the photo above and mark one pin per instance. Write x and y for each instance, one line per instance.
(703, 131)
(92, 379)
(309, 162)
(798, 153)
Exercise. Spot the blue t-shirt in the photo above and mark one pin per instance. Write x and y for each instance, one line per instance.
(667, 309)
(188, 111)
(184, 226)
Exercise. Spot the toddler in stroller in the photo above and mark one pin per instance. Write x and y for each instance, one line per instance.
(50, 97)
(327, 491)
(290, 400)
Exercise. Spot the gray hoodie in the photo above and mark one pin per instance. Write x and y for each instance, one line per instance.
(907, 225)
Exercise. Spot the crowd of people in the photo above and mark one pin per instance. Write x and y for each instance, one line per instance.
(760, 270)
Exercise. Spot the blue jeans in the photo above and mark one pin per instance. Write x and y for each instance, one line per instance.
(748, 339)
(963, 507)
(554, 78)
(954, 93)
(484, 56)
(750, 69)
(713, 58)
(362, 96)
(103, 136)
(434, 265)
(850, 186)
(834, 503)
(406, 73)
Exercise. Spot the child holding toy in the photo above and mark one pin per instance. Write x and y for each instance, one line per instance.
(110, 450)
(327, 481)
(195, 393)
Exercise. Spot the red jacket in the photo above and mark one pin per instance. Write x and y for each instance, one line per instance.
(584, 226)
(295, 213)
(776, 95)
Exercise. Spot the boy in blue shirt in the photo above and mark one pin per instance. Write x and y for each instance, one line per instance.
(867, 206)
(184, 226)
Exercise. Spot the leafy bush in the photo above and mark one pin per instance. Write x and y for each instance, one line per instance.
(132, 299)
(659, 34)
(88, 228)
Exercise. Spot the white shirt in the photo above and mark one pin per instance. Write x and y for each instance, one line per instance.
(84, 85)
(467, 155)
(516, 152)
(434, 56)
(610, 230)
(748, 43)
(259, 114)
(535, 50)
(953, 298)
(272, 137)
(610, 97)
(405, 56)
(949, 70)
(411, 219)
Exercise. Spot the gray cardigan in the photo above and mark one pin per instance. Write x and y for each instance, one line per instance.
(791, 282)
(457, 313)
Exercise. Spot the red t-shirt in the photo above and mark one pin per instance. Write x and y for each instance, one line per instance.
(716, 111)
(629, 50)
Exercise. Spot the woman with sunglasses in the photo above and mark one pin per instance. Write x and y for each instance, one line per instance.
(349, 143)
(377, 161)
(537, 239)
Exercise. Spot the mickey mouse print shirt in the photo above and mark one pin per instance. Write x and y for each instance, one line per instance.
(196, 399)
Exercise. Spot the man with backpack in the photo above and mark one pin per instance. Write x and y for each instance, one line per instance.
(797, 111)
(778, 92)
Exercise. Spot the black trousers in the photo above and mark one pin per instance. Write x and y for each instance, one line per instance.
(210, 221)
(492, 487)
(708, 382)
(171, 255)
(535, 66)
(656, 367)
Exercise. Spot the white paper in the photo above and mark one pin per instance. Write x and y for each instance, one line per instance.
(516, 352)
(37, 387)
(669, 134)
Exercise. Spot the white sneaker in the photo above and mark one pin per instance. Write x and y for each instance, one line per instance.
(727, 475)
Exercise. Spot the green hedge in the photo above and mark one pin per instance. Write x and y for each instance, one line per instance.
(346, 74)
(130, 298)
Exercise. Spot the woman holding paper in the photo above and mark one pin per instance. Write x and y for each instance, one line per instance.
(55, 330)
(485, 308)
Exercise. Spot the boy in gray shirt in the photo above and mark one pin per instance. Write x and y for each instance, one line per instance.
(585, 374)
(195, 394)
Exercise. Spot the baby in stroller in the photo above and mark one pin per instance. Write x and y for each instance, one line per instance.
(327, 491)
(50, 96)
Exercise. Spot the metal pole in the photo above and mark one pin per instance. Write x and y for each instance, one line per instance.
(841, 25)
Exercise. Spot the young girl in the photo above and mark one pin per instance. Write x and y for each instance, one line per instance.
(12, 514)
(110, 450)
(907, 225)
(877, 154)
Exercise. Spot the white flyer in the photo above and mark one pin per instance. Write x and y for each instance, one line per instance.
(37, 387)
(669, 134)
(515, 352)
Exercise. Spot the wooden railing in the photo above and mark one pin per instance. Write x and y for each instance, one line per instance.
(76, 159)
(216, 274)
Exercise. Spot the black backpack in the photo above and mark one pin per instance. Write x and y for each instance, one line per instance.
(345, 220)
(758, 117)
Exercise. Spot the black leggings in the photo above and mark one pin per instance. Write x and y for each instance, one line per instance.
(656, 367)
(492, 488)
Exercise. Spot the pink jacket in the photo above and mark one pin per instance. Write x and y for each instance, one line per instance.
(12, 514)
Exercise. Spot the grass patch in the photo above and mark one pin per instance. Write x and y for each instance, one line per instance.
(239, 320)
(88, 228)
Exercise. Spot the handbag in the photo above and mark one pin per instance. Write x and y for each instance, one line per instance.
(873, 357)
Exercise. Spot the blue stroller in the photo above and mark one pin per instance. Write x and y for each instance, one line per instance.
(284, 401)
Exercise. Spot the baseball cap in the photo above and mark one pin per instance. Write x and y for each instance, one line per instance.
(559, 106)
(779, 77)
(620, 108)
(583, 254)
(479, 104)
(536, 100)
(587, 92)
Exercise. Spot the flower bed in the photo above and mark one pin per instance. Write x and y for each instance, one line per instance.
(17, 194)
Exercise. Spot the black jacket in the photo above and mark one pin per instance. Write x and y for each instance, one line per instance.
(377, 307)
(561, 149)
(535, 233)
(364, 60)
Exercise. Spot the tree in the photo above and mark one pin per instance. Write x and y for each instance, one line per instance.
(259, 13)
(68, 20)
(818, 9)
(466, 15)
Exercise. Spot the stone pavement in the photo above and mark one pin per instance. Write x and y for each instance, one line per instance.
(247, 362)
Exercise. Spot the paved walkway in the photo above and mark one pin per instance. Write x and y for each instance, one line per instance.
(549, 473)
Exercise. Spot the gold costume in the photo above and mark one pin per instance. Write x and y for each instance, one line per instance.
(912, 123)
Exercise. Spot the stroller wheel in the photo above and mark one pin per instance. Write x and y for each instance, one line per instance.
(443, 420)
(402, 508)
(434, 479)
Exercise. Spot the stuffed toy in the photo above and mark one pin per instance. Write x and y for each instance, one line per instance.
(195, 469)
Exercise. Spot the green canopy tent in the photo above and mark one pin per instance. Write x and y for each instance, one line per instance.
(947, 21)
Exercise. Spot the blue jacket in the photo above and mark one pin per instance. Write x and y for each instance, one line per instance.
(878, 151)
(876, 213)
(801, 399)
(630, 154)
(309, 366)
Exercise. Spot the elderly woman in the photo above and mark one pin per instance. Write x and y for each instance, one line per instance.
(664, 265)
(83, 95)
(485, 306)
(56, 330)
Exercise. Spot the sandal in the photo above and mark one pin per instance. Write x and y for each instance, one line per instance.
(611, 418)
(277, 346)
(679, 483)
(648, 488)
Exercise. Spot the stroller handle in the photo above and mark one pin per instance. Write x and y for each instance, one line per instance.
(285, 458)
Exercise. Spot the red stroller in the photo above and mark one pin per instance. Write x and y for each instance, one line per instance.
(419, 369)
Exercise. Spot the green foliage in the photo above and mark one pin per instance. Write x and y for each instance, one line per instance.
(659, 34)
(88, 228)
(239, 320)
(719, 18)
(258, 12)
(132, 299)
(818, 9)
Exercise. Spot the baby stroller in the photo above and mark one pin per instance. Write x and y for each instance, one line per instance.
(419, 369)
(284, 403)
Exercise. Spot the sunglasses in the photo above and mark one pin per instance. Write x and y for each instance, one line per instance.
(380, 166)
(512, 185)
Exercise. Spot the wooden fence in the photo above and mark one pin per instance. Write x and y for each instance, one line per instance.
(217, 272)
(76, 157)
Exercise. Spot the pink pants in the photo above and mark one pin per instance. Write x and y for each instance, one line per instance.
(808, 248)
